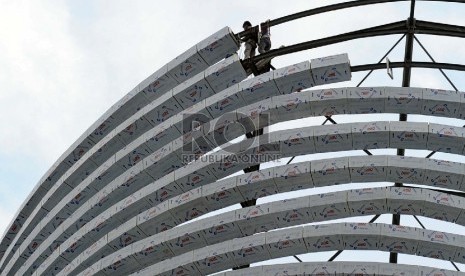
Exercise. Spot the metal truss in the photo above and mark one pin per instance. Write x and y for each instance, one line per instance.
(408, 29)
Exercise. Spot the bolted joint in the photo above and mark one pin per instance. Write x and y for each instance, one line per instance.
(410, 23)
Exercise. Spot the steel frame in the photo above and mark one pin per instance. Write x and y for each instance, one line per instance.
(408, 29)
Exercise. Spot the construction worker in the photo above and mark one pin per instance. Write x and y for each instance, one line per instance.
(264, 44)
(250, 40)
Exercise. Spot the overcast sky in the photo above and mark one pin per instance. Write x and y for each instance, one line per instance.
(64, 63)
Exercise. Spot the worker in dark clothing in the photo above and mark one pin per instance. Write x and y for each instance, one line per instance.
(250, 40)
(265, 41)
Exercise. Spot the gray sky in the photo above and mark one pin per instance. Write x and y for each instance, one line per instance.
(64, 63)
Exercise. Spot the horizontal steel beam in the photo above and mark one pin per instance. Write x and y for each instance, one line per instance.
(417, 64)
(399, 27)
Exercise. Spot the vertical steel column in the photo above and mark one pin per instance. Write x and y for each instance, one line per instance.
(405, 83)
(255, 133)
(253, 201)
(252, 168)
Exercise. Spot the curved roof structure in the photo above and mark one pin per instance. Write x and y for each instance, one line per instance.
(134, 194)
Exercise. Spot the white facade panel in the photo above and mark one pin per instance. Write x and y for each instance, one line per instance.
(193, 175)
(220, 228)
(101, 224)
(260, 87)
(404, 200)
(333, 138)
(328, 172)
(461, 113)
(249, 249)
(129, 237)
(368, 168)
(293, 177)
(162, 189)
(329, 206)
(408, 135)
(366, 268)
(361, 236)
(161, 162)
(252, 271)
(438, 102)
(185, 238)
(323, 237)
(222, 193)
(218, 46)
(192, 118)
(294, 78)
(120, 262)
(323, 269)
(404, 169)
(444, 174)
(386, 269)
(161, 135)
(368, 201)
(370, 135)
(79, 151)
(331, 69)
(226, 164)
(445, 138)
(405, 100)
(260, 149)
(131, 206)
(121, 229)
(45, 265)
(186, 65)
(223, 129)
(213, 258)
(255, 219)
(399, 239)
(364, 100)
(291, 106)
(225, 73)
(188, 205)
(97, 246)
(256, 115)
(460, 252)
(162, 109)
(180, 265)
(151, 250)
(157, 83)
(70, 267)
(225, 101)
(137, 126)
(192, 91)
(424, 271)
(156, 219)
(256, 184)
(295, 141)
(293, 211)
(283, 270)
(103, 174)
(109, 145)
(287, 242)
(328, 102)
(437, 245)
(58, 192)
(93, 269)
(442, 206)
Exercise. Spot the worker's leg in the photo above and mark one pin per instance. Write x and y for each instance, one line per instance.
(249, 50)
(252, 52)
(265, 45)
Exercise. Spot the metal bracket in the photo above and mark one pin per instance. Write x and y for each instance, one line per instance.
(389, 69)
